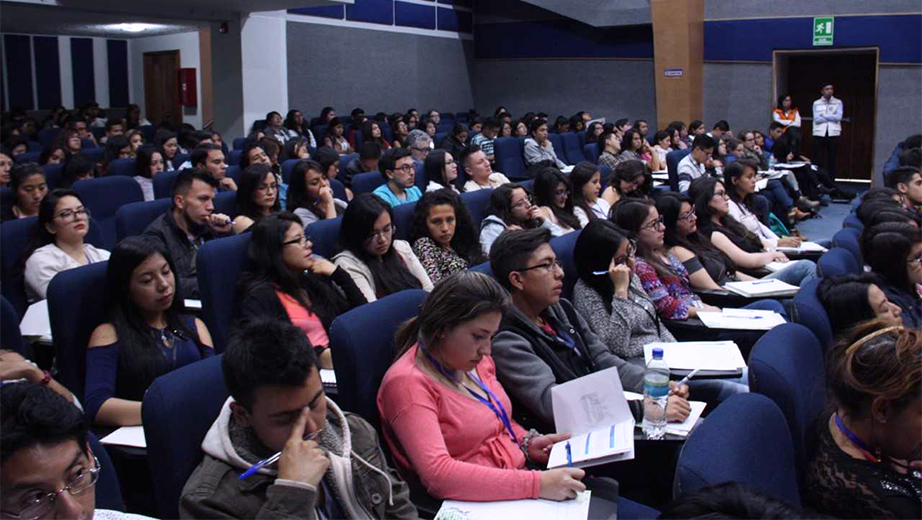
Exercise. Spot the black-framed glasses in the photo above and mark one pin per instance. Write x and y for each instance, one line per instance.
(722, 194)
(527, 202)
(547, 266)
(36, 506)
(406, 168)
(631, 250)
(655, 224)
(687, 216)
(383, 232)
(916, 260)
(69, 214)
(301, 240)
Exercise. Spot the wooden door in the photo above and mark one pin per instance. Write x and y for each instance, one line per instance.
(161, 70)
(854, 78)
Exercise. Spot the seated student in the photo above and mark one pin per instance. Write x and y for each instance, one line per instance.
(867, 457)
(907, 181)
(371, 132)
(309, 194)
(662, 146)
(70, 140)
(542, 340)
(553, 197)
(275, 129)
(295, 148)
(257, 196)
(6, 164)
(297, 127)
(814, 183)
(458, 447)
(731, 500)
(78, 168)
(538, 148)
(367, 161)
(441, 170)
(443, 235)
(742, 246)
(329, 161)
(210, 157)
(587, 186)
(150, 163)
(486, 138)
(147, 333)
(117, 147)
(45, 449)
(17, 144)
(511, 207)
(894, 252)
(593, 131)
(336, 140)
(27, 182)
(635, 147)
(853, 298)
(331, 466)
(287, 282)
(630, 178)
(610, 148)
(695, 164)
(399, 132)
(168, 145)
(740, 182)
(271, 149)
(189, 223)
(477, 167)
(54, 154)
(377, 263)
(57, 244)
(399, 173)
(136, 140)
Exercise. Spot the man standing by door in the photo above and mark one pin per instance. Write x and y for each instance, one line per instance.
(827, 125)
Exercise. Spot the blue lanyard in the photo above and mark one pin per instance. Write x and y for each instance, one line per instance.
(493, 403)
(860, 444)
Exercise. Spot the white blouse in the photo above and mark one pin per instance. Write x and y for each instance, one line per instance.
(49, 260)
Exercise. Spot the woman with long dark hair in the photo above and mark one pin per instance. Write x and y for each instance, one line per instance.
(850, 299)
(309, 194)
(295, 123)
(371, 131)
(443, 235)
(257, 196)
(147, 333)
(635, 147)
(456, 140)
(588, 204)
(554, 196)
(150, 163)
(630, 178)
(287, 282)
(29, 187)
(117, 147)
(378, 264)
(168, 145)
(442, 171)
(894, 252)
(511, 207)
(740, 180)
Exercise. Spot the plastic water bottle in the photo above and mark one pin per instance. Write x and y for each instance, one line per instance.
(655, 395)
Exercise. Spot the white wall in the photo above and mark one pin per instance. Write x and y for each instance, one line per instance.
(265, 65)
(188, 46)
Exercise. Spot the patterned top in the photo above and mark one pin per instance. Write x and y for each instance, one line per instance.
(672, 295)
(438, 261)
(607, 159)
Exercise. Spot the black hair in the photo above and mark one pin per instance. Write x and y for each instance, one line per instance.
(879, 193)
(114, 146)
(250, 179)
(145, 155)
(512, 249)
(466, 153)
(701, 191)
(46, 153)
(594, 250)
(186, 176)
(546, 183)
(900, 175)
(913, 141)
(669, 206)
(434, 167)
(13, 141)
(370, 150)
(781, 99)
(161, 137)
(46, 213)
(628, 139)
(629, 170)
(465, 241)
(20, 172)
(845, 298)
(911, 157)
(622, 122)
(730, 500)
(290, 124)
(868, 208)
(32, 415)
(660, 135)
(638, 121)
(389, 272)
(327, 157)
(77, 166)
(200, 153)
(582, 173)
(297, 187)
(389, 160)
(736, 170)
(266, 352)
(722, 125)
(491, 122)
(245, 156)
(367, 128)
(774, 125)
(703, 142)
(694, 125)
(893, 215)
(500, 205)
(629, 214)
(534, 125)
(886, 248)
(323, 115)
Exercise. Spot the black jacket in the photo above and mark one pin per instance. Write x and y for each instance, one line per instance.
(182, 250)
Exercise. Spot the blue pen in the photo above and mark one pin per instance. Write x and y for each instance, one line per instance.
(569, 456)
(271, 460)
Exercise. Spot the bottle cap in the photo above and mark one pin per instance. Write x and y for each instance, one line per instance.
(657, 353)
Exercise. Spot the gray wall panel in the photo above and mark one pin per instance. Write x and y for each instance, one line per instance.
(722, 9)
(899, 110)
(739, 93)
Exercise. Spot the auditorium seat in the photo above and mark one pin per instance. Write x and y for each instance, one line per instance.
(746, 440)
(52, 175)
(563, 247)
(672, 166)
(179, 159)
(132, 219)
(93, 154)
(104, 196)
(177, 411)
(344, 160)
(786, 365)
(852, 221)
(163, 184)
(572, 148)
(811, 313)
(403, 220)
(591, 151)
(508, 152)
(484, 268)
(439, 137)
(226, 203)
(324, 235)
(287, 167)
(10, 338)
(366, 182)
(233, 171)
(108, 490)
(339, 190)
(476, 203)
(123, 167)
(239, 143)
(149, 131)
(233, 157)
(28, 157)
(47, 136)
(86, 143)
(581, 135)
(837, 261)
(557, 141)
(219, 264)
(850, 238)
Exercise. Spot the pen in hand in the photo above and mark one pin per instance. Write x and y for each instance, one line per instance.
(271, 460)
(684, 380)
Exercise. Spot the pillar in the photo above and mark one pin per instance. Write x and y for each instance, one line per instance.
(678, 47)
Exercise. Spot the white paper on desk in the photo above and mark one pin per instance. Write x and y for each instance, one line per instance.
(193, 304)
(741, 319)
(761, 184)
(776, 266)
(328, 376)
(772, 174)
(706, 355)
(791, 165)
(767, 287)
(126, 436)
(685, 427)
(804, 247)
(567, 169)
(532, 509)
(36, 322)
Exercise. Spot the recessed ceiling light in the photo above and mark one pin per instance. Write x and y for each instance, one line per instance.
(134, 27)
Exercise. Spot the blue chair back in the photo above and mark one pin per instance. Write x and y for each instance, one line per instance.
(344, 160)
(591, 151)
(233, 157)
(476, 203)
(364, 339)
(484, 268)
(234, 172)
(108, 491)
(582, 138)
(10, 338)
(366, 182)
(849, 238)
(745, 440)
(324, 234)
(123, 167)
(287, 167)
(572, 148)
(852, 221)
(149, 131)
(508, 154)
(178, 410)
(786, 365)
(339, 190)
(27, 157)
(403, 219)
(76, 306)
(239, 143)
(34, 146)
(163, 184)
(672, 166)
(563, 247)
(93, 154)
(837, 261)
(439, 137)
(179, 159)
(132, 219)
(86, 142)
(52, 174)
(98, 132)
(557, 141)
(104, 196)
(7, 198)
(219, 264)
(226, 203)
(420, 180)
(811, 313)
(47, 136)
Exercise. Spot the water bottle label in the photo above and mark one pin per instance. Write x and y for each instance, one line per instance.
(656, 391)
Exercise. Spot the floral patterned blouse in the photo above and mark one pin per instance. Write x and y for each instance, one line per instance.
(438, 261)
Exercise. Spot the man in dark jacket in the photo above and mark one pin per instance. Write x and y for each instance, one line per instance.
(331, 463)
(543, 341)
(189, 224)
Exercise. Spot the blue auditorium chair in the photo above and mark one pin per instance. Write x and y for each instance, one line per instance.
(219, 264)
(339, 190)
(87, 143)
(849, 238)
(104, 196)
(811, 313)
(177, 411)
(366, 182)
(233, 157)
(108, 490)
(132, 219)
(344, 160)
(746, 440)
(233, 171)
(324, 234)
(509, 161)
(852, 221)
(10, 338)
(837, 261)
(572, 148)
(179, 159)
(581, 135)
(438, 138)
(563, 247)
(34, 146)
(52, 175)
(476, 203)
(403, 220)
(484, 268)
(239, 143)
(287, 167)
(226, 203)
(28, 157)
(47, 136)
(786, 365)
(591, 151)
(93, 154)
(76, 306)
(123, 167)
(163, 184)
(98, 132)
(672, 166)
(557, 141)
(149, 131)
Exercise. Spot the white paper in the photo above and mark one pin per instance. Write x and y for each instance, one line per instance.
(685, 427)
(661, 175)
(741, 319)
(791, 165)
(767, 287)
(36, 322)
(328, 376)
(613, 440)
(761, 184)
(633, 396)
(706, 355)
(776, 266)
(772, 174)
(533, 509)
(127, 436)
(804, 247)
(567, 169)
(193, 304)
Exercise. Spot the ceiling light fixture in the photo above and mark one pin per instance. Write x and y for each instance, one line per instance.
(134, 27)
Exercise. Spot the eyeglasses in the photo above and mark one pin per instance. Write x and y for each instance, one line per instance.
(631, 249)
(406, 168)
(547, 266)
(655, 224)
(267, 187)
(74, 214)
(722, 194)
(916, 260)
(527, 202)
(687, 216)
(382, 233)
(561, 192)
(424, 151)
(34, 507)
(300, 240)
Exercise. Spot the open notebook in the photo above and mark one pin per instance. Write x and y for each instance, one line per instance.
(763, 288)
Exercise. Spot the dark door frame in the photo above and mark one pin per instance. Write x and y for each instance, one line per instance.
(176, 110)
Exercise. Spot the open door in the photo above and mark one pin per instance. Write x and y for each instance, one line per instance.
(853, 74)
(161, 94)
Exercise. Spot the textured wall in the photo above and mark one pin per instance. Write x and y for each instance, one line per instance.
(899, 109)
(722, 9)
(606, 88)
(376, 70)
(739, 93)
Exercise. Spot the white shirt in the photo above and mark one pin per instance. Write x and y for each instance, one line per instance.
(827, 117)
(49, 260)
(495, 180)
(689, 169)
(751, 222)
(434, 186)
(600, 209)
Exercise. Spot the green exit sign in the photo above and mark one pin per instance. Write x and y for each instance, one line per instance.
(822, 31)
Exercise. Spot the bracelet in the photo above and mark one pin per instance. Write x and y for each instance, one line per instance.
(528, 437)
(46, 379)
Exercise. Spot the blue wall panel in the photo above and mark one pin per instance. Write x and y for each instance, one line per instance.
(414, 15)
(373, 11)
(557, 39)
(47, 71)
(81, 58)
(334, 11)
(898, 36)
(118, 72)
(451, 20)
(19, 67)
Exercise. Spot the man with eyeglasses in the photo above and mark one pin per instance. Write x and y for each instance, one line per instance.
(47, 468)
(399, 174)
(418, 142)
(543, 341)
(696, 163)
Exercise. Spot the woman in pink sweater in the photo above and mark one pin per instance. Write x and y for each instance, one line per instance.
(445, 416)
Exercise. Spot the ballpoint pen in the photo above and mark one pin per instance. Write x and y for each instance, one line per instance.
(569, 456)
(271, 460)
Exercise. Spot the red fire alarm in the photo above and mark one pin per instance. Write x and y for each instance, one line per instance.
(188, 93)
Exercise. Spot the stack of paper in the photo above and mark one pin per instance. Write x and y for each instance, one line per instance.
(683, 428)
(741, 319)
(762, 288)
(576, 509)
(127, 436)
(713, 358)
(805, 247)
(776, 266)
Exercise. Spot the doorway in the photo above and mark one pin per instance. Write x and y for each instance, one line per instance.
(161, 71)
(853, 74)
